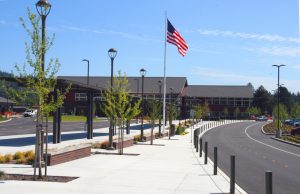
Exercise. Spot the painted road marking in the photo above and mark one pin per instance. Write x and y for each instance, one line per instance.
(291, 153)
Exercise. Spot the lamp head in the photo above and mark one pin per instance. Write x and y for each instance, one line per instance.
(143, 72)
(43, 7)
(112, 53)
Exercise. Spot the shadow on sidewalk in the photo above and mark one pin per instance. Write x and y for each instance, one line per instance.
(26, 141)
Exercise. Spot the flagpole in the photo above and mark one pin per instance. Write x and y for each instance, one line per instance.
(165, 79)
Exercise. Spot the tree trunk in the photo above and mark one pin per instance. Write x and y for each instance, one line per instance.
(159, 128)
(152, 128)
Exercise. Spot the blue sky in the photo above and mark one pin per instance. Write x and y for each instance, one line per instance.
(231, 42)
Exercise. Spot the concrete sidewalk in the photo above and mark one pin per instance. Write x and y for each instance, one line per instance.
(169, 166)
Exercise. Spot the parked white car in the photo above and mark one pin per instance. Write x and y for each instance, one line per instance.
(30, 113)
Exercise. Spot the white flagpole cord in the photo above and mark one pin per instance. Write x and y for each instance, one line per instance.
(165, 80)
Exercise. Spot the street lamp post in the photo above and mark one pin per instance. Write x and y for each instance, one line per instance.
(143, 73)
(137, 93)
(171, 112)
(87, 83)
(112, 53)
(43, 8)
(159, 121)
(88, 71)
(278, 132)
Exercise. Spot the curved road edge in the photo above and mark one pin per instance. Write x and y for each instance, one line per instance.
(223, 174)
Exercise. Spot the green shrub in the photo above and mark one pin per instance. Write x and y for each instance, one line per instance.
(8, 158)
(2, 174)
(100, 145)
(2, 159)
(19, 155)
(136, 138)
(29, 156)
(293, 139)
(21, 160)
(180, 130)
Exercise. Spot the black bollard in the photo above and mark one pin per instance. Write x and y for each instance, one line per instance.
(232, 174)
(194, 138)
(205, 152)
(197, 147)
(268, 182)
(200, 144)
(215, 160)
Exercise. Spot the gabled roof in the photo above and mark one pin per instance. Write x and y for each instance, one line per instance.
(219, 91)
(151, 84)
(4, 100)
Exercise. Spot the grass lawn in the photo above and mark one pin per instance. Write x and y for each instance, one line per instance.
(71, 118)
(2, 118)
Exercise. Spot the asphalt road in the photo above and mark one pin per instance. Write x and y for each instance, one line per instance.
(21, 126)
(256, 153)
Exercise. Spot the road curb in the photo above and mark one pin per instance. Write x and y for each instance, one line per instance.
(287, 142)
(263, 131)
(223, 174)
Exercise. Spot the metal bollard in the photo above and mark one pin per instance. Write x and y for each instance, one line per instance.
(232, 174)
(268, 182)
(197, 145)
(205, 152)
(194, 138)
(215, 160)
(200, 144)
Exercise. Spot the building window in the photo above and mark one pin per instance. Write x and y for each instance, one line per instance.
(99, 98)
(238, 102)
(216, 101)
(223, 101)
(231, 102)
(80, 97)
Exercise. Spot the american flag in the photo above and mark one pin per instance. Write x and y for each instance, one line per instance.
(175, 38)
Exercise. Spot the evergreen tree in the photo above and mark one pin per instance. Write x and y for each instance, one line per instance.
(263, 100)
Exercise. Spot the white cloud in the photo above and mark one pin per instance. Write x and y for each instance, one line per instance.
(112, 32)
(266, 37)
(277, 50)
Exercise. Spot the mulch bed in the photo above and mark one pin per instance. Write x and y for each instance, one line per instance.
(22, 177)
(270, 128)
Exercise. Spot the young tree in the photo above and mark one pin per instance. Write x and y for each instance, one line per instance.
(254, 111)
(226, 112)
(283, 115)
(295, 111)
(262, 99)
(40, 81)
(205, 110)
(119, 106)
(198, 112)
(154, 113)
(237, 112)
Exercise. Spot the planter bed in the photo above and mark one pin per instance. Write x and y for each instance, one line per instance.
(67, 154)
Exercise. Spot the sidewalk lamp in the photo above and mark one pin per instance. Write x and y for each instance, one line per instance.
(160, 97)
(171, 113)
(278, 132)
(112, 53)
(88, 71)
(43, 7)
(143, 73)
